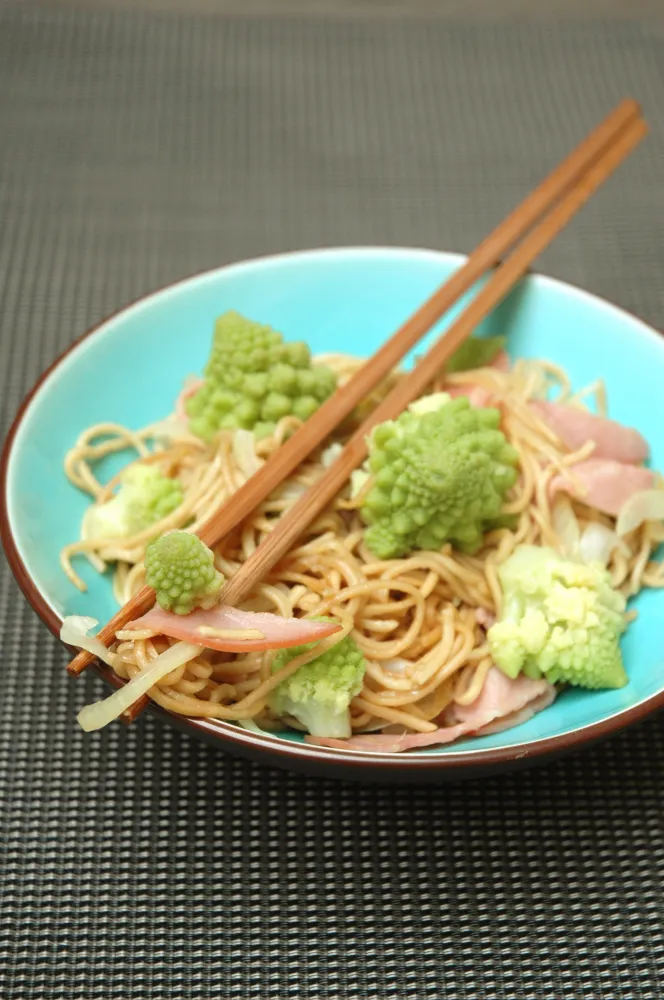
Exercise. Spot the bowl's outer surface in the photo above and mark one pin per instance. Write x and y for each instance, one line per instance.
(130, 369)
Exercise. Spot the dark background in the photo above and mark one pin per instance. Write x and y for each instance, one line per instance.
(143, 142)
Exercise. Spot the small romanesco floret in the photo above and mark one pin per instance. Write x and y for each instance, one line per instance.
(475, 352)
(561, 620)
(253, 379)
(318, 695)
(145, 496)
(437, 476)
(180, 568)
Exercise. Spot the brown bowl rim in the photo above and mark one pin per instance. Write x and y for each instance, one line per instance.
(267, 746)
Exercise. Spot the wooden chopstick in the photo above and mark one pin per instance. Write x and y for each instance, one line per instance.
(291, 525)
(588, 154)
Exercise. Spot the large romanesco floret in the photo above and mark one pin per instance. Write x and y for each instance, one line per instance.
(561, 620)
(438, 475)
(180, 568)
(145, 496)
(253, 379)
(318, 695)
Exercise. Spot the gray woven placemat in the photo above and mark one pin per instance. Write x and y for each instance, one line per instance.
(137, 863)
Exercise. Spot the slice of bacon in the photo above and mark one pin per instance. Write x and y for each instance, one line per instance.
(501, 698)
(575, 427)
(604, 484)
(277, 632)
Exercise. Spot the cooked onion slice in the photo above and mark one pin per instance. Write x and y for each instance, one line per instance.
(244, 450)
(597, 543)
(566, 525)
(99, 714)
(74, 632)
(646, 505)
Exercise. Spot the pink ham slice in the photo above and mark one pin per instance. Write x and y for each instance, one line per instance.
(485, 619)
(575, 427)
(606, 485)
(501, 362)
(501, 698)
(279, 633)
(477, 395)
(516, 718)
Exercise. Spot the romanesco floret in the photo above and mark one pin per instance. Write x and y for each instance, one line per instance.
(319, 693)
(180, 568)
(145, 496)
(475, 352)
(561, 620)
(253, 379)
(437, 476)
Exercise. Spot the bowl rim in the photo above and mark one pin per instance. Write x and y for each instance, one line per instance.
(266, 745)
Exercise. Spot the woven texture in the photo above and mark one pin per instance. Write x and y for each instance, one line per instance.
(137, 863)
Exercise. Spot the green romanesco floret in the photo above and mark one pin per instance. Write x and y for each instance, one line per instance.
(318, 695)
(437, 476)
(180, 568)
(253, 379)
(475, 352)
(145, 496)
(561, 620)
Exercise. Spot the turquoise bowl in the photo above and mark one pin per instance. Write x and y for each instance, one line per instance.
(129, 369)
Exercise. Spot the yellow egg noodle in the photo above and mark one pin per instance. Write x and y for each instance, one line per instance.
(419, 620)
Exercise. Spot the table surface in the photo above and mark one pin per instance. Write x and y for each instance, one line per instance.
(470, 11)
(140, 143)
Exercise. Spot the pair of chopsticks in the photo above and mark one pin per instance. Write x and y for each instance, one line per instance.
(535, 223)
